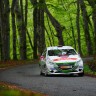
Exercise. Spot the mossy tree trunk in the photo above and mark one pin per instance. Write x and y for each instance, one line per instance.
(14, 29)
(21, 28)
(5, 29)
(92, 3)
(86, 27)
(78, 27)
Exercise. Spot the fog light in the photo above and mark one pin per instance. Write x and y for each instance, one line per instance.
(80, 69)
(51, 71)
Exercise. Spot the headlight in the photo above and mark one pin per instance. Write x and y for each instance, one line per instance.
(52, 63)
(80, 62)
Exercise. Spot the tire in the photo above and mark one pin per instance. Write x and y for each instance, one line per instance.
(41, 73)
(46, 74)
(81, 74)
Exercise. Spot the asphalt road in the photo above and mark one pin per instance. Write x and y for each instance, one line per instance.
(27, 76)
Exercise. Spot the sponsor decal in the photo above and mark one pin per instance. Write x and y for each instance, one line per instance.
(64, 58)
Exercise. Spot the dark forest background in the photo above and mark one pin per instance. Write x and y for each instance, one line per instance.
(28, 26)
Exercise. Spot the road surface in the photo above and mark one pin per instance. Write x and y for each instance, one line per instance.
(27, 76)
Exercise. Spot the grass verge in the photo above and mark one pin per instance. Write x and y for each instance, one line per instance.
(13, 63)
(12, 90)
(88, 71)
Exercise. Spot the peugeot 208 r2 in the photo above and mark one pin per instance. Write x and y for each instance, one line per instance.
(56, 60)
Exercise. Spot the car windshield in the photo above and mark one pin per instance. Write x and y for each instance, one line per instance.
(60, 52)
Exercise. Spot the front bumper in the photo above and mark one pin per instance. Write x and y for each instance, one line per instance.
(58, 71)
(69, 73)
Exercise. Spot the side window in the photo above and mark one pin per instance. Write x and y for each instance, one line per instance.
(72, 51)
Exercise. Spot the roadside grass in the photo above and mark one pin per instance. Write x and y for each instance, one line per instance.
(88, 71)
(13, 63)
(90, 67)
(12, 90)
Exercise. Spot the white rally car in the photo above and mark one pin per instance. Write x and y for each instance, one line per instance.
(58, 60)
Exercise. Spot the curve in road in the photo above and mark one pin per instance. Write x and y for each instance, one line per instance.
(27, 76)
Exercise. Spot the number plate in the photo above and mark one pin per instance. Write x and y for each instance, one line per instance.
(65, 67)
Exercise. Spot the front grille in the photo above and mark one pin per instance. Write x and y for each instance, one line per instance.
(66, 66)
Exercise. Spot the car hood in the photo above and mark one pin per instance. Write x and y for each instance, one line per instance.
(60, 59)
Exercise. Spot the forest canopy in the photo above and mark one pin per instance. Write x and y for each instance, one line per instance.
(27, 27)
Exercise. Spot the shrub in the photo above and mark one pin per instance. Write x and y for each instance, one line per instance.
(92, 64)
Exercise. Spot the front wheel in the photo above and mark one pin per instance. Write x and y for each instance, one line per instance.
(46, 73)
(45, 70)
(81, 74)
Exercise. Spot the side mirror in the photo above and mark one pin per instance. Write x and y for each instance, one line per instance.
(79, 54)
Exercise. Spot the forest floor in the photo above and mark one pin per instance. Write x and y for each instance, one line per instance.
(9, 89)
(12, 63)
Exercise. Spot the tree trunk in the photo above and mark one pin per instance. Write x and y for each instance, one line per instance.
(5, 29)
(14, 30)
(21, 29)
(23, 34)
(0, 34)
(48, 36)
(35, 16)
(78, 27)
(38, 21)
(57, 27)
(93, 5)
(72, 28)
(41, 29)
(86, 27)
(94, 24)
(52, 33)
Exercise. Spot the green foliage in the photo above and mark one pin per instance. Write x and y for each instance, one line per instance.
(87, 69)
(4, 91)
(10, 91)
(62, 10)
(90, 67)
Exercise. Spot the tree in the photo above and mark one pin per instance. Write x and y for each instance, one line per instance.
(21, 28)
(35, 16)
(73, 32)
(57, 27)
(38, 22)
(41, 29)
(86, 27)
(14, 29)
(78, 26)
(93, 6)
(5, 29)
(47, 30)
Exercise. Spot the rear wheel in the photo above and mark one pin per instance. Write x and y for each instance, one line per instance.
(41, 73)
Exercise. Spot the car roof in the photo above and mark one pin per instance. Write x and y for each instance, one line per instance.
(59, 47)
